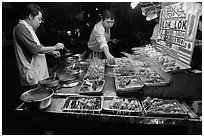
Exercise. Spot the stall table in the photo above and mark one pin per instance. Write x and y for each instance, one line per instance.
(54, 118)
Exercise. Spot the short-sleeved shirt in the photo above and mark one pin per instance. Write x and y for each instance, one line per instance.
(99, 37)
(32, 65)
(25, 41)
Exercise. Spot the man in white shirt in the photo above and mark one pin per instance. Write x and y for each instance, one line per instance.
(30, 53)
(100, 35)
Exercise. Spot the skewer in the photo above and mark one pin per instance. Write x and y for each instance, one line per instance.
(66, 49)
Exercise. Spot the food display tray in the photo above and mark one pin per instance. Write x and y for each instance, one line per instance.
(146, 82)
(91, 87)
(83, 104)
(139, 62)
(163, 108)
(170, 64)
(124, 71)
(124, 61)
(119, 105)
(182, 66)
(154, 80)
(134, 83)
(91, 78)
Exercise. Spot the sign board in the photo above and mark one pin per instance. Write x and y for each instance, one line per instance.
(177, 29)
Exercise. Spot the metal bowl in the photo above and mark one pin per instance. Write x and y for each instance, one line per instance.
(49, 82)
(37, 98)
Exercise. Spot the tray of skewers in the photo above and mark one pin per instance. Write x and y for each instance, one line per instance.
(124, 83)
(162, 107)
(83, 104)
(124, 71)
(122, 106)
(91, 87)
(168, 64)
(94, 73)
(150, 77)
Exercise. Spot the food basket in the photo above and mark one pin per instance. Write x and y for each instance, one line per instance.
(162, 107)
(83, 104)
(123, 106)
(92, 87)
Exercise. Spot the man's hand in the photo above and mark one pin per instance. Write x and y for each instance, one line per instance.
(56, 54)
(110, 59)
(59, 46)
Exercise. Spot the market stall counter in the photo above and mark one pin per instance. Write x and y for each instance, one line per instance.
(89, 99)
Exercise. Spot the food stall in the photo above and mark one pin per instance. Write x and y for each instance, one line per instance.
(149, 86)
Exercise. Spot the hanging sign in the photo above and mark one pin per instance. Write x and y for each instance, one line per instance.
(177, 29)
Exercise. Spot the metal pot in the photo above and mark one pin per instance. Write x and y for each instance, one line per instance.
(66, 78)
(37, 98)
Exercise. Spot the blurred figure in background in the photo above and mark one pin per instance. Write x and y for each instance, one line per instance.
(154, 36)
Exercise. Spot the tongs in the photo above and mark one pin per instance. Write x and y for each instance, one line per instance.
(66, 54)
(66, 49)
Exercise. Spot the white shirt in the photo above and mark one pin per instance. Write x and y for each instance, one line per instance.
(99, 37)
(30, 72)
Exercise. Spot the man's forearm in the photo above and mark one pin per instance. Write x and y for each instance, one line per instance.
(47, 49)
(106, 51)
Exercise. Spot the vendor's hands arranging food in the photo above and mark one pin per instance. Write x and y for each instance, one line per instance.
(59, 46)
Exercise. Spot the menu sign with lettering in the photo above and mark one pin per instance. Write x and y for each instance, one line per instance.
(177, 29)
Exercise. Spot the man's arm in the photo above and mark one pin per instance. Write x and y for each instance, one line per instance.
(26, 39)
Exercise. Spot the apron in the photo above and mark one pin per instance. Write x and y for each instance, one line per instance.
(30, 73)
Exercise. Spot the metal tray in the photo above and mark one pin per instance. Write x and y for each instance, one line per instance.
(90, 88)
(101, 76)
(144, 76)
(124, 61)
(148, 82)
(134, 84)
(130, 71)
(164, 108)
(182, 66)
(117, 107)
(83, 104)
(178, 63)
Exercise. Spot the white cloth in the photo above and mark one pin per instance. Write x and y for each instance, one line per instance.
(30, 73)
(99, 37)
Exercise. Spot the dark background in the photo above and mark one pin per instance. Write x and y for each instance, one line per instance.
(60, 17)
(130, 27)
